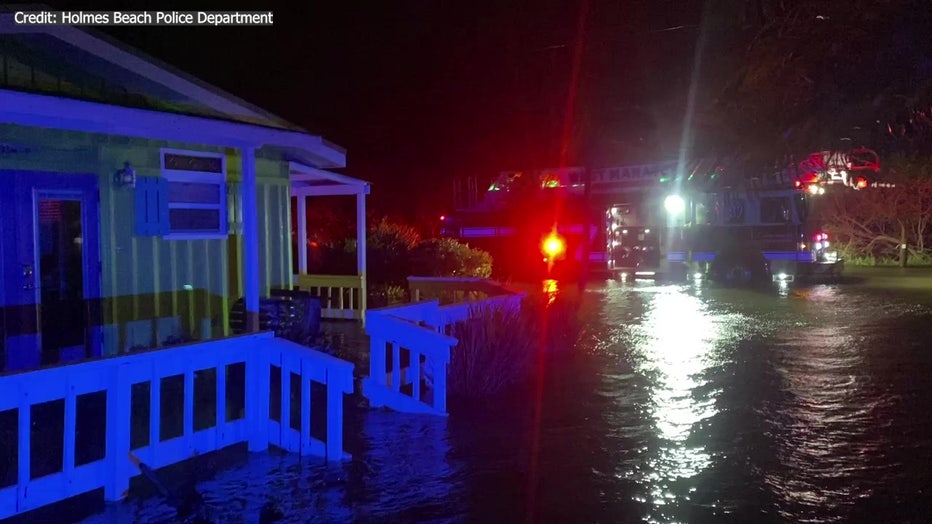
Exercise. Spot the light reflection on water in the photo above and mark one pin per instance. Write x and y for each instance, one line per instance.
(672, 343)
(688, 404)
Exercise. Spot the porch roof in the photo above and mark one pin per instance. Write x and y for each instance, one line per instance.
(29, 109)
(311, 181)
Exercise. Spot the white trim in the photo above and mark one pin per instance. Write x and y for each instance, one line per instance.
(328, 190)
(250, 259)
(299, 172)
(30, 109)
(361, 252)
(301, 240)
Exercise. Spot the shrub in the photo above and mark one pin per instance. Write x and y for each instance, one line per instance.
(388, 252)
(392, 237)
(446, 257)
(499, 346)
(495, 350)
(382, 295)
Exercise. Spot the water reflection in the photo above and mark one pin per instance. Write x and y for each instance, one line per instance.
(831, 408)
(550, 290)
(402, 473)
(672, 345)
(691, 404)
(407, 472)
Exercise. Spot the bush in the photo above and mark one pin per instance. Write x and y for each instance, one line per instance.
(382, 295)
(446, 257)
(495, 350)
(388, 253)
(395, 251)
(500, 346)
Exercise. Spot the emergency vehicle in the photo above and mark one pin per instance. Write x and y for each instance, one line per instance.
(662, 221)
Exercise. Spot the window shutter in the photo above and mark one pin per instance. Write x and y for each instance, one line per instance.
(162, 226)
(151, 206)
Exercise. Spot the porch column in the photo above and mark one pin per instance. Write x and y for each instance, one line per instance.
(302, 234)
(361, 248)
(250, 240)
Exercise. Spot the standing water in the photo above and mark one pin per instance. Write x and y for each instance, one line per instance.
(684, 403)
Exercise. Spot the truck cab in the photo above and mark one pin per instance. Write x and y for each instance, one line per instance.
(737, 237)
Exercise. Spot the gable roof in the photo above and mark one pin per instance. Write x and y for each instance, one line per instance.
(82, 63)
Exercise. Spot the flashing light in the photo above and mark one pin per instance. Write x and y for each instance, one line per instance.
(814, 189)
(861, 183)
(624, 231)
(553, 246)
(647, 231)
(443, 217)
(674, 204)
(797, 184)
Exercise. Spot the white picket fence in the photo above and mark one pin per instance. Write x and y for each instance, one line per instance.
(115, 377)
(410, 347)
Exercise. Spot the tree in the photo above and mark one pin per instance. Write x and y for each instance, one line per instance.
(817, 71)
(886, 222)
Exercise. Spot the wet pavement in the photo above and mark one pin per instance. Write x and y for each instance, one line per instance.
(684, 403)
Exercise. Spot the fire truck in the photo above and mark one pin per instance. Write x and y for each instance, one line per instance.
(662, 220)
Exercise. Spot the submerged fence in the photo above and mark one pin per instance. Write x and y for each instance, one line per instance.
(68, 430)
(410, 344)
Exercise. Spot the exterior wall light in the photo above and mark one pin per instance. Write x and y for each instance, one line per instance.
(126, 177)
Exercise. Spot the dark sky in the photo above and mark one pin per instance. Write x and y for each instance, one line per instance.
(423, 91)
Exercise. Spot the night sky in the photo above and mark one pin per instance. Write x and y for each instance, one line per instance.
(424, 91)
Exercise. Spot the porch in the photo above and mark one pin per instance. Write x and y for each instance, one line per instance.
(342, 296)
(165, 406)
(151, 363)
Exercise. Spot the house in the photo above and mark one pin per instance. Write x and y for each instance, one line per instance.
(139, 204)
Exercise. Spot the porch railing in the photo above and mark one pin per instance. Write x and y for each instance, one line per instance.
(410, 348)
(408, 358)
(341, 296)
(242, 367)
(454, 289)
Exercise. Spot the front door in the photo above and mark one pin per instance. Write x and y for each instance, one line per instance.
(51, 268)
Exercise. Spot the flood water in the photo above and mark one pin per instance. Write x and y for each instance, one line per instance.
(684, 403)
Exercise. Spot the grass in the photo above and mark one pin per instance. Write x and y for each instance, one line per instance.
(889, 277)
(915, 260)
(500, 347)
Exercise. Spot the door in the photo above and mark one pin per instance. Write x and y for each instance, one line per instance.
(52, 268)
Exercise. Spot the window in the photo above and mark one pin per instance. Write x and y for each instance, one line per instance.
(733, 210)
(775, 210)
(802, 207)
(196, 194)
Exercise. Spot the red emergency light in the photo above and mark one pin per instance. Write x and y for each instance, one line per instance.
(553, 246)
